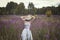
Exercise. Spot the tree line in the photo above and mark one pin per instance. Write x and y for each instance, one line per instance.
(13, 8)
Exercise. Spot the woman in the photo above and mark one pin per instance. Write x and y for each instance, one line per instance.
(26, 33)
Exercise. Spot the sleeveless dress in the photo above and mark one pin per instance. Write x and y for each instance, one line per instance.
(26, 33)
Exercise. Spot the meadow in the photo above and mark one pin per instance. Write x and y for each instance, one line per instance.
(43, 27)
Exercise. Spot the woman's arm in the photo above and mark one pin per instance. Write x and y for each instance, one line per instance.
(33, 18)
(23, 18)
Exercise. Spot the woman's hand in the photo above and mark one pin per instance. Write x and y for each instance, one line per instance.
(22, 17)
(33, 18)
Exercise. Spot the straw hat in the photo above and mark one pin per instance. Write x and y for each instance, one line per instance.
(29, 17)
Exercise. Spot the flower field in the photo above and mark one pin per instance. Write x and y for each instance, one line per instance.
(43, 27)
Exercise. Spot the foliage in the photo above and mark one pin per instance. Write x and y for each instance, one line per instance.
(31, 8)
(8, 33)
(13, 8)
(20, 9)
(42, 28)
(48, 13)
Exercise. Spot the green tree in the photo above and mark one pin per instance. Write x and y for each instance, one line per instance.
(10, 7)
(58, 8)
(48, 12)
(20, 9)
(31, 8)
(2, 11)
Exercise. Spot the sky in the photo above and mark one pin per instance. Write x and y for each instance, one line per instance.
(37, 3)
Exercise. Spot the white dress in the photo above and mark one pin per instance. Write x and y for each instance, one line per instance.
(26, 33)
